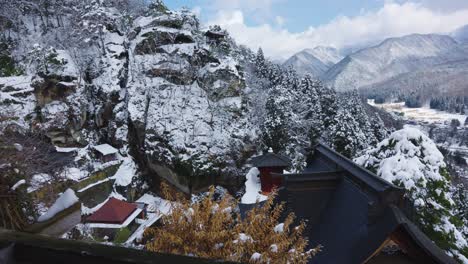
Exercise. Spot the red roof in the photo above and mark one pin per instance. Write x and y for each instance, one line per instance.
(113, 211)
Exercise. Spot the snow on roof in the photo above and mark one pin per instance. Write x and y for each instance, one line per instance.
(155, 204)
(66, 200)
(157, 207)
(105, 149)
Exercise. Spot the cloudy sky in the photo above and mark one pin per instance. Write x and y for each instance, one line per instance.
(284, 27)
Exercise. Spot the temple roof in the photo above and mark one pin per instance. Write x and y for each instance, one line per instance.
(270, 160)
(105, 149)
(352, 212)
(114, 211)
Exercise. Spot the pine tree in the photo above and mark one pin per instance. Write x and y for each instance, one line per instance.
(345, 134)
(409, 159)
(310, 109)
(275, 126)
(328, 102)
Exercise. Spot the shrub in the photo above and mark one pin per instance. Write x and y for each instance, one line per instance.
(211, 229)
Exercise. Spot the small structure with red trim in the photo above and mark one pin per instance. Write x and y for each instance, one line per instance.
(269, 164)
(115, 214)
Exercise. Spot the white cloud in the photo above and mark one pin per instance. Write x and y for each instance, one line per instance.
(392, 20)
(280, 20)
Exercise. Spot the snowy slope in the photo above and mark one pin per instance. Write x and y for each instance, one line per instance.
(393, 57)
(461, 34)
(448, 79)
(314, 61)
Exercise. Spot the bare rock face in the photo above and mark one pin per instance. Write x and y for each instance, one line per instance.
(53, 88)
(190, 93)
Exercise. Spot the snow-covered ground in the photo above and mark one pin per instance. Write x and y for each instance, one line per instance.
(423, 114)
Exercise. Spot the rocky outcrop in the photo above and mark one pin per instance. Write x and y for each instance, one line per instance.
(159, 88)
(53, 88)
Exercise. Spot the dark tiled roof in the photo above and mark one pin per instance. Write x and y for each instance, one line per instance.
(270, 160)
(351, 212)
(113, 211)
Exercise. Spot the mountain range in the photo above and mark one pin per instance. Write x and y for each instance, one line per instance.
(411, 62)
(314, 61)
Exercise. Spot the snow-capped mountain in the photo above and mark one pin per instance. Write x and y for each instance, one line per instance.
(392, 57)
(461, 34)
(314, 61)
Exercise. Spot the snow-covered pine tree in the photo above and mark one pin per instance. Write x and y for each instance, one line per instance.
(328, 102)
(354, 104)
(409, 159)
(460, 196)
(45, 60)
(275, 126)
(260, 64)
(345, 136)
(309, 109)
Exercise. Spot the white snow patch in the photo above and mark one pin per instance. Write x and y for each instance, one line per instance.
(252, 188)
(37, 181)
(424, 114)
(125, 173)
(74, 174)
(274, 248)
(66, 200)
(18, 184)
(93, 184)
(279, 228)
(256, 256)
(105, 149)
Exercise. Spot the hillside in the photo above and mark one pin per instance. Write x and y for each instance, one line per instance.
(314, 61)
(393, 57)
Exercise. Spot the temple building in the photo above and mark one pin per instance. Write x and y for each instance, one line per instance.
(355, 215)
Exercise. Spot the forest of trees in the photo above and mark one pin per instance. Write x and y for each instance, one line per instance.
(301, 111)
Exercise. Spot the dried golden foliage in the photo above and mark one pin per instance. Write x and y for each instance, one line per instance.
(211, 229)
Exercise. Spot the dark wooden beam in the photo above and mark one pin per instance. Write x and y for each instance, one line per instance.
(29, 248)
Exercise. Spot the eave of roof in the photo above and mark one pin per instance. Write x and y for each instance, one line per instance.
(360, 174)
(270, 160)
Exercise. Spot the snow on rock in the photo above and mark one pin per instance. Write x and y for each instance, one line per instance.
(74, 174)
(125, 173)
(66, 200)
(253, 188)
(37, 181)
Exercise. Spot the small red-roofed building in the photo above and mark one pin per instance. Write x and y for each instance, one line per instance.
(115, 214)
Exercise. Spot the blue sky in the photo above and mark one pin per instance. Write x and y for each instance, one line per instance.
(284, 27)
